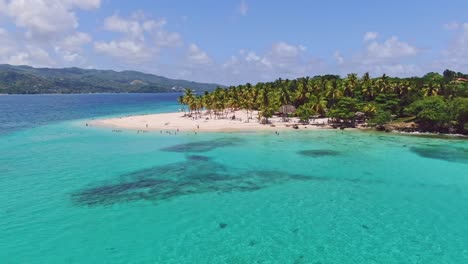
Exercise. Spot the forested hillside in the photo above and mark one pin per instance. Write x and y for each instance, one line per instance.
(29, 80)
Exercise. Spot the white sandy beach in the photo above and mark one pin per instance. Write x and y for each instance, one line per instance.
(205, 123)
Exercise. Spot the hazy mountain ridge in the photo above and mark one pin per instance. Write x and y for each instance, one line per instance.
(29, 80)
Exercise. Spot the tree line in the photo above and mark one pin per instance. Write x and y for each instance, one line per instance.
(435, 102)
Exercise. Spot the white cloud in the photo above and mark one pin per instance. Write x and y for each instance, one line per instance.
(84, 4)
(75, 42)
(117, 24)
(45, 17)
(281, 60)
(339, 58)
(141, 38)
(370, 36)
(391, 48)
(150, 25)
(252, 57)
(378, 58)
(6, 43)
(452, 26)
(197, 56)
(243, 8)
(72, 57)
(129, 50)
(21, 52)
(455, 56)
(45, 33)
(30, 56)
(71, 47)
(283, 52)
(163, 38)
(133, 27)
(392, 69)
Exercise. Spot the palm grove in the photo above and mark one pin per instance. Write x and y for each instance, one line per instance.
(434, 102)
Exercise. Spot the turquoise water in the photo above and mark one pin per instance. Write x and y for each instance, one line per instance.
(77, 194)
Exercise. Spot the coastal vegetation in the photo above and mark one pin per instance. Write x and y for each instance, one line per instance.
(433, 103)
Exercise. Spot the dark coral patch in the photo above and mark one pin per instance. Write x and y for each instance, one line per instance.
(198, 158)
(179, 179)
(319, 153)
(203, 146)
(450, 154)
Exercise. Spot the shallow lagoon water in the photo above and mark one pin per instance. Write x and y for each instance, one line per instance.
(77, 194)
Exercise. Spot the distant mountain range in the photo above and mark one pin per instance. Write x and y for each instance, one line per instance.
(29, 80)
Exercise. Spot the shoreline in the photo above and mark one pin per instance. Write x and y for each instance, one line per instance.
(177, 121)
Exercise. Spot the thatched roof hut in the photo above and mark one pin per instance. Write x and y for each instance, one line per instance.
(287, 109)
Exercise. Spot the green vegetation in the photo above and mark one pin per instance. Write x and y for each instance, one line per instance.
(459, 112)
(29, 80)
(432, 113)
(381, 118)
(435, 102)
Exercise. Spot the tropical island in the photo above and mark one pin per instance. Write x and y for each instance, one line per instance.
(432, 103)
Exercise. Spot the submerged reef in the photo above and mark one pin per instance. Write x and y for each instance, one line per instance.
(204, 146)
(446, 153)
(197, 174)
(314, 153)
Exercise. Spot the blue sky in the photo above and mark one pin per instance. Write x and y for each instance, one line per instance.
(237, 41)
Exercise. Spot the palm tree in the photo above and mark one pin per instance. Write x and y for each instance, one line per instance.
(218, 101)
(198, 104)
(318, 104)
(301, 94)
(266, 102)
(431, 88)
(402, 88)
(285, 99)
(207, 102)
(367, 87)
(232, 101)
(351, 84)
(304, 112)
(333, 92)
(181, 101)
(247, 99)
(382, 84)
(188, 99)
(369, 110)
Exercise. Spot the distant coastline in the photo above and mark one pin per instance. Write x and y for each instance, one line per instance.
(30, 80)
(96, 93)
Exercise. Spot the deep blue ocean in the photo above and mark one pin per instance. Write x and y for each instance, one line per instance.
(70, 193)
